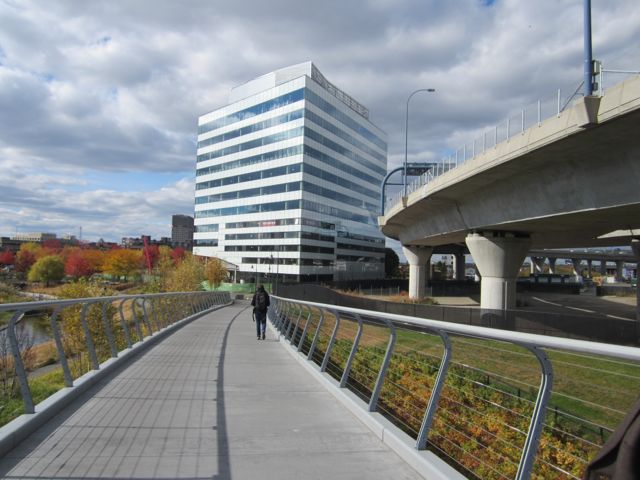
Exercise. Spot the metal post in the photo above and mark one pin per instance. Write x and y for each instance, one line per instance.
(304, 331)
(21, 373)
(588, 53)
(315, 336)
(332, 340)
(406, 133)
(352, 354)
(108, 331)
(68, 379)
(537, 418)
(373, 401)
(123, 322)
(423, 434)
(293, 331)
(87, 334)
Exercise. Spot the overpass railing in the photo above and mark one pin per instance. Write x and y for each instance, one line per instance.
(491, 403)
(76, 336)
(529, 116)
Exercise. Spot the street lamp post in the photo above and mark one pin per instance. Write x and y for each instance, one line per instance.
(406, 134)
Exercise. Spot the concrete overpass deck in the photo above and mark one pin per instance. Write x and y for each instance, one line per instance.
(208, 402)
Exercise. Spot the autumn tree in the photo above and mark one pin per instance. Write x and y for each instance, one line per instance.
(122, 262)
(187, 276)
(82, 262)
(47, 269)
(215, 272)
(150, 254)
(7, 257)
(27, 255)
(178, 254)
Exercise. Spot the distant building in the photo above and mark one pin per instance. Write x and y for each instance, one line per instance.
(37, 237)
(288, 180)
(182, 231)
(10, 244)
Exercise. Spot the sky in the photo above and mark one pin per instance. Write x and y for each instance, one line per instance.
(99, 100)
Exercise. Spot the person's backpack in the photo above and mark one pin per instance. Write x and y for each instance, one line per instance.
(261, 301)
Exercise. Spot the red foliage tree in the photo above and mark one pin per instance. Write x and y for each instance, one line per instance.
(76, 265)
(152, 252)
(51, 247)
(7, 257)
(178, 255)
(24, 260)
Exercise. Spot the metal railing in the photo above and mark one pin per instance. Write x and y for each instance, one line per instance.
(529, 116)
(86, 332)
(481, 399)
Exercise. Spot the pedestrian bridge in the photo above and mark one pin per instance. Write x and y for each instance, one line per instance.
(331, 393)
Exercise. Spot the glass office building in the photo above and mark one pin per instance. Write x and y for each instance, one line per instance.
(288, 181)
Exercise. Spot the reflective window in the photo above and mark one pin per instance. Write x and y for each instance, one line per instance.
(339, 132)
(312, 134)
(252, 111)
(244, 162)
(258, 142)
(256, 127)
(345, 119)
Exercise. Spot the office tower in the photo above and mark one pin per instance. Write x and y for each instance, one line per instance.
(182, 231)
(288, 181)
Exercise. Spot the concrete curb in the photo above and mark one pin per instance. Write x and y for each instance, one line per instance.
(19, 429)
(424, 462)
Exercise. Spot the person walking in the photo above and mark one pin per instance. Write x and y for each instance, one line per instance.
(260, 303)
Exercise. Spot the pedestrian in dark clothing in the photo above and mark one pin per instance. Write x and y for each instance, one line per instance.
(260, 303)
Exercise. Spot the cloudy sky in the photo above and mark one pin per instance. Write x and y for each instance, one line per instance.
(99, 100)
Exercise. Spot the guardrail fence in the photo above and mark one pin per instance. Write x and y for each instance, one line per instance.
(493, 404)
(77, 335)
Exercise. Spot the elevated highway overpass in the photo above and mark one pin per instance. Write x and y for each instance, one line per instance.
(568, 182)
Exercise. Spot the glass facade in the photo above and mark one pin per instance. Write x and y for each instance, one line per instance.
(288, 183)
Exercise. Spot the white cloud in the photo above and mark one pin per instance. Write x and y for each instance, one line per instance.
(93, 88)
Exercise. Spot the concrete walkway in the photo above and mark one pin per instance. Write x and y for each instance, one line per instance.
(208, 402)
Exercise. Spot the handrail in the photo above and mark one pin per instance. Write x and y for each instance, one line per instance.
(285, 311)
(176, 306)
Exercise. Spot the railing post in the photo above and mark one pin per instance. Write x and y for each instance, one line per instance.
(423, 434)
(304, 331)
(145, 317)
(123, 322)
(332, 340)
(155, 314)
(27, 399)
(314, 342)
(539, 112)
(537, 418)
(293, 329)
(352, 354)
(68, 379)
(136, 320)
(87, 334)
(373, 401)
(109, 331)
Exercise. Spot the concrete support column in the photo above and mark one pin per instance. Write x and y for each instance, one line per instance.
(603, 268)
(619, 269)
(498, 256)
(459, 266)
(577, 268)
(589, 267)
(552, 265)
(537, 265)
(418, 257)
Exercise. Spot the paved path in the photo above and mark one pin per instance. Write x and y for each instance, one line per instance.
(209, 402)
